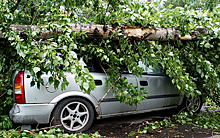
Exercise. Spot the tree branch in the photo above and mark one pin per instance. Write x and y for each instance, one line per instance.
(110, 87)
(16, 6)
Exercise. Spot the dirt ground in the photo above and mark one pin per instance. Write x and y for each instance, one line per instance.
(127, 126)
(123, 131)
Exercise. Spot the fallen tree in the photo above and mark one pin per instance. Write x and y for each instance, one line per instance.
(105, 31)
(32, 30)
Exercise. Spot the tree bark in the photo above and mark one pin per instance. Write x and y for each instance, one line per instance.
(104, 31)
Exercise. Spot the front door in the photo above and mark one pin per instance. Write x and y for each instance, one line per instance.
(161, 91)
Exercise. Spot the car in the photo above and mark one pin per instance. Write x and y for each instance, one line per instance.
(74, 110)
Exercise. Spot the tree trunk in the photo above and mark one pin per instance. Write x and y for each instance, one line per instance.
(104, 31)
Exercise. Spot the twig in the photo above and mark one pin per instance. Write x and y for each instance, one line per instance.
(37, 126)
(203, 133)
(109, 88)
(51, 121)
(181, 111)
(3, 93)
(45, 128)
(28, 131)
(105, 72)
(159, 117)
(194, 131)
(131, 123)
(16, 6)
(103, 69)
(3, 102)
(34, 18)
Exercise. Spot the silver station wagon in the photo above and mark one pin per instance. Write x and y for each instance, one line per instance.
(74, 110)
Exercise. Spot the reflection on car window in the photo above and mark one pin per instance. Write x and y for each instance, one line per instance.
(94, 66)
(150, 70)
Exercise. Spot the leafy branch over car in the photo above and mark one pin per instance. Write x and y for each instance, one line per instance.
(191, 61)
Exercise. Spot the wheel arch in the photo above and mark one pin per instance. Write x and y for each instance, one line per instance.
(75, 94)
(201, 102)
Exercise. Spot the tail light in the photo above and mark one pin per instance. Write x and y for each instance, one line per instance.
(19, 88)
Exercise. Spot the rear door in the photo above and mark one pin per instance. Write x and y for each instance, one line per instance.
(109, 105)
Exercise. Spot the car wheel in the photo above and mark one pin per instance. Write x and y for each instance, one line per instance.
(193, 104)
(74, 115)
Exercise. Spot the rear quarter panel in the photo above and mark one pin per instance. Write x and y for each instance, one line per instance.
(42, 95)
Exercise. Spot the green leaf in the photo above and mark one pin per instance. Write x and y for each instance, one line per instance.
(86, 85)
(9, 92)
(32, 83)
(50, 80)
(170, 6)
(36, 69)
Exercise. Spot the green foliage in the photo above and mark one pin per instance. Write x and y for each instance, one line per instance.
(7, 66)
(206, 120)
(192, 4)
(156, 125)
(131, 134)
(51, 133)
(216, 133)
(210, 105)
(5, 123)
(194, 67)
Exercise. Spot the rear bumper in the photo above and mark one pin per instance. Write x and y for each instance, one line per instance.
(31, 113)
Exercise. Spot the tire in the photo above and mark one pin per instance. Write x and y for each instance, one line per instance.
(74, 115)
(192, 104)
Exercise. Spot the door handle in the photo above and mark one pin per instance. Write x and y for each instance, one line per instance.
(143, 83)
(98, 82)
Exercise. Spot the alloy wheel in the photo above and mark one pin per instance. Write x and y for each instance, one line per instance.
(74, 116)
(193, 103)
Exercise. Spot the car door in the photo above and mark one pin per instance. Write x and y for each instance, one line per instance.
(109, 105)
(161, 92)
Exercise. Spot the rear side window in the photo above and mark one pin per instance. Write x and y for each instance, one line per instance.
(158, 70)
(93, 66)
